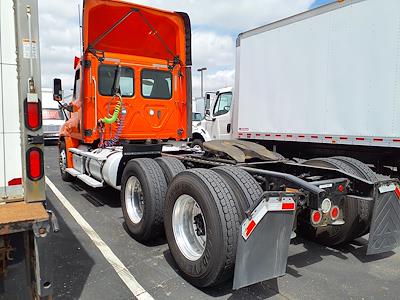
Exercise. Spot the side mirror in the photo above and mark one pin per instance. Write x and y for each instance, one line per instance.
(57, 90)
(208, 113)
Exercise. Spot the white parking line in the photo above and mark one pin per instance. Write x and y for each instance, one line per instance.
(137, 290)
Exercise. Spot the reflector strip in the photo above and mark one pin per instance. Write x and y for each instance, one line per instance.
(273, 204)
(250, 228)
(288, 206)
(397, 191)
(15, 181)
(387, 188)
(315, 138)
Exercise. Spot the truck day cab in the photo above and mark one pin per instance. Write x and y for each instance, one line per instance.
(232, 210)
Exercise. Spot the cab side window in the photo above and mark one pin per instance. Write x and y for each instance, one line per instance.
(223, 104)
(156, 84)
(77, 84)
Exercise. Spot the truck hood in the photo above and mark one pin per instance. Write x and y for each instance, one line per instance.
(138, 30)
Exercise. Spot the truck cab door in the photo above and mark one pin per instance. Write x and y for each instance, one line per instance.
(221, 122)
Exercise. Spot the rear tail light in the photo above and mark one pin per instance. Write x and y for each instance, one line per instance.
(34, 164)
(316, 217)
(33, 115)
(335, 213)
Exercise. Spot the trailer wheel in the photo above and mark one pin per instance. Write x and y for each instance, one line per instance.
(333, 164)
(365, 207)
(197, 144)
(246, 189)
(354, 226)
(362, 168)
(202, 225)
(62, 158)
(171, 167)
(142, 197)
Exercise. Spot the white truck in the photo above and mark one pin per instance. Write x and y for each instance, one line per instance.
(217, 123)
(53, 117)
(25, 223)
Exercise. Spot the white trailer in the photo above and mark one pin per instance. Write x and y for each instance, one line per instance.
(324, 80)
(25, 258)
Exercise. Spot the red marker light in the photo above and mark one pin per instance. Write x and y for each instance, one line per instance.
(316, 217)
(76, 62)
(341, 188)
(335, 213)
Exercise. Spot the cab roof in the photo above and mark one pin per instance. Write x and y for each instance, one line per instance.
(127, 28)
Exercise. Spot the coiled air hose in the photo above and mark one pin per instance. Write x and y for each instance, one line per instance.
(117, 110)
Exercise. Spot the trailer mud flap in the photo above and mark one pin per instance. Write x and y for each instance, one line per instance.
(384, 235)
(263, 242)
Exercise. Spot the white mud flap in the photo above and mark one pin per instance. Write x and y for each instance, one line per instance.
(384, 235)
(264, 241)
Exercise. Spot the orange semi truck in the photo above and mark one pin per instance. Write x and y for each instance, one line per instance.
(231, 210)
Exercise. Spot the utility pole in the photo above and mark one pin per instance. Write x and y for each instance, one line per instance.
(201, 70)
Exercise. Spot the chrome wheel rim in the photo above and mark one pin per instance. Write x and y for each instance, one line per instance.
(63, 160)
(134, 199)
(189, 227)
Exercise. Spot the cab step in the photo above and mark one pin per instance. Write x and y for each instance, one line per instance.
(72, 172)
(90, 181)
(85, 178)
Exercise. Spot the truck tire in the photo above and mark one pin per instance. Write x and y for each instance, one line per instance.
(197, 144)
(62, 158)
(201, 226)
(354, 226)
(171, 167)
(246, 189)
(143, 190)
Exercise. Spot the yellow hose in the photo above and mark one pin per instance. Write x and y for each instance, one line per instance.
(117, 110)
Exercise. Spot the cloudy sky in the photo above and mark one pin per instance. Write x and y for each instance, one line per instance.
(215, 26)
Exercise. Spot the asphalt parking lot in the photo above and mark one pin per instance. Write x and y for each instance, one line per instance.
(82, 271)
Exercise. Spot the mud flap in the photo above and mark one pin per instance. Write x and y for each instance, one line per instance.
(384, 235)
(263, 242)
